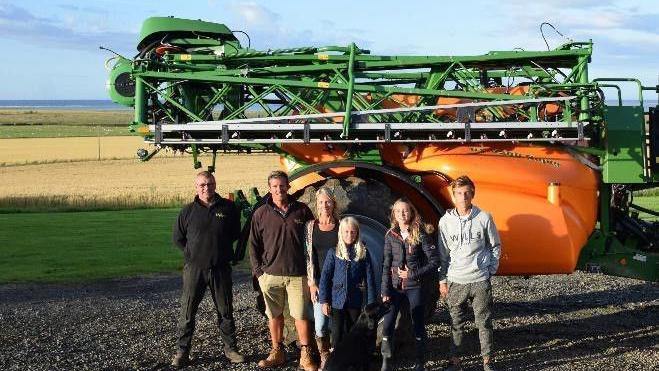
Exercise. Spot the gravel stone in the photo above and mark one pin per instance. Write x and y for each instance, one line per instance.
(559, 322)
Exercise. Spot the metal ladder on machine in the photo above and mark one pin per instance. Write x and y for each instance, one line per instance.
(319, 128)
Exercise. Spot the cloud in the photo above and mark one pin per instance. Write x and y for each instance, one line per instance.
(19, 24)
(616, 28)
(268, 31)
(255, 15)
(598, 19)
(626, 36)
(86, 9)
(14, 13)
(580, 14)
(647, 22)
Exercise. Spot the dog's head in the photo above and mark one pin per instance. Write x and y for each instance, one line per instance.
(372, 313)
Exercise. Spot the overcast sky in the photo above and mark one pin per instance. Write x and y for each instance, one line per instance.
(50, 47)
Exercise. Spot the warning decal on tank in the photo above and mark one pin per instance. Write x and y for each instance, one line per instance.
(507, 153)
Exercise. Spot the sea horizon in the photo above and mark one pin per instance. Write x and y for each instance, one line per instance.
(62, 104)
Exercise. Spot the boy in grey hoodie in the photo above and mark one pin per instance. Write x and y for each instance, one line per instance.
(469, 248)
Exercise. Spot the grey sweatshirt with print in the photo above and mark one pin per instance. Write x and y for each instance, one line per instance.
(469, 247)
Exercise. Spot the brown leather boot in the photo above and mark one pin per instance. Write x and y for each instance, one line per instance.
(276, 358)
(323, 344)
(307, 361)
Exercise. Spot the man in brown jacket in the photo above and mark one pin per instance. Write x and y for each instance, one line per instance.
(278, 261)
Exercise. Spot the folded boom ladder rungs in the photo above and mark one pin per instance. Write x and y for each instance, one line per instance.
(318, 128)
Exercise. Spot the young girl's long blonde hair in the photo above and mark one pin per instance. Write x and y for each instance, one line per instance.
(414, 236)
(342, 249)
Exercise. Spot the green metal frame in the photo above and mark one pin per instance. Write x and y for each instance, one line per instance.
(306, 80)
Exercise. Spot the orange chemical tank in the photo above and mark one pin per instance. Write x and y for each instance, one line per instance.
(543, 200)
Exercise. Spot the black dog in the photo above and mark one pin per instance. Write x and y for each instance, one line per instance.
(357, 347)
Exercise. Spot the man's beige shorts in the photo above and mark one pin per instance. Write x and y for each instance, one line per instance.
(278, 290)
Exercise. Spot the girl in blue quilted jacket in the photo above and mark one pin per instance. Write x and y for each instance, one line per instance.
(347, 275)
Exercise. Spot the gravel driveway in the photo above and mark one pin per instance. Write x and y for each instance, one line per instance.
(561, 322)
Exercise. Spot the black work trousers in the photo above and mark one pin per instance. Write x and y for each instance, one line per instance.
(195, 281)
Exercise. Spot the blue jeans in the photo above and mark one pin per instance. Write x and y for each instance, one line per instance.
(321, 321)
(414, 301)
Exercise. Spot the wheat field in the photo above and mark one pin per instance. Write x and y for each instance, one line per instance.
(125, 183)
(43, 150)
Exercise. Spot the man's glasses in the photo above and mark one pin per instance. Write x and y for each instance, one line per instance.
(202, 185)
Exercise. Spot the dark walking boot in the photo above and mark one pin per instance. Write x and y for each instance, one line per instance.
(454, 364)
(488, 364)
(420, 356)
(181, 359)
(233, 355)
(387, 353)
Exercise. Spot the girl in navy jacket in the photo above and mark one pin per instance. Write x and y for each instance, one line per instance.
(346, 274)
(409, 255)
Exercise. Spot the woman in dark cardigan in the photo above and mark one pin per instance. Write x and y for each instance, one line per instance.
(321, 235)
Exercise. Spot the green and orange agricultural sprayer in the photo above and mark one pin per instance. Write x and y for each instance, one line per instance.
(554, 161)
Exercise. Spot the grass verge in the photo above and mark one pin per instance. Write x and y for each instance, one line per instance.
(58, 247)
(61, 131)
(647, 192)
(86, 246)
(63, 123)
(648, 202)
(120, 118)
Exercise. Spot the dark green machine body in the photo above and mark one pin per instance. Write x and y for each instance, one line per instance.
(195, 88)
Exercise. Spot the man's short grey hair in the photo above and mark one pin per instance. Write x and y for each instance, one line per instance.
(278, 174)
(206, 174)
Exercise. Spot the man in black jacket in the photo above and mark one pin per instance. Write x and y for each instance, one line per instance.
(205, 231)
